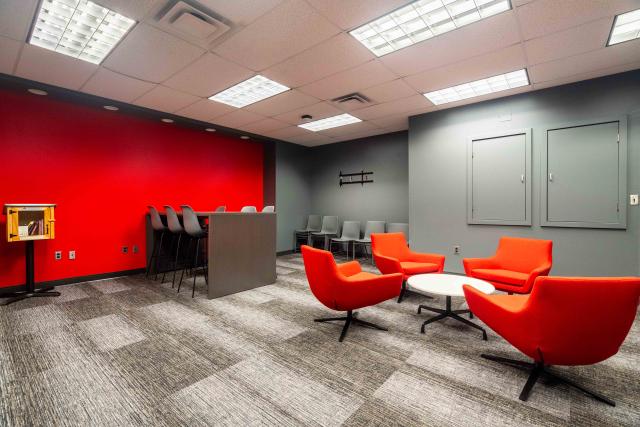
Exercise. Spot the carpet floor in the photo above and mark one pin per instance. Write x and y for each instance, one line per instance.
(131, 351)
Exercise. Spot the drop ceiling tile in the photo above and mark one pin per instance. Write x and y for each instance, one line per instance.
(312, 139)
(394, 122)
(393, 107)
(237, 118)
(481, 37)
(588, 75)
(284, 31)
(205, 110)
(318, 111)
(518, 3)
(165, 99)
(150, 54)
(287, 133)
(620, 54)
(361, 77)
(208, 75)
(562, 44)
(241, 13)
(353, 128)
(53, 68)
(16, 17)
(353, 13)
(543, 17)
(331, 56)
(107, 84)
(9, 51)
(136, 10)
(282, 103)
(389, 91)
(266, 125)
(360, 135)
(501, 61)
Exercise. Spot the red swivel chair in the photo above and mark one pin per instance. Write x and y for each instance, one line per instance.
(345, 287)
(515, 265)
(392, 255)
(565, 321)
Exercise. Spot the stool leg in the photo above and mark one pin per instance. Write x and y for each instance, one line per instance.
(195, 268)
(158, 256)
(175, 262)
(153, 252)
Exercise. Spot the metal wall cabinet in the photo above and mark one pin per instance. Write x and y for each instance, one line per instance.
(499, 178)
(584, 170)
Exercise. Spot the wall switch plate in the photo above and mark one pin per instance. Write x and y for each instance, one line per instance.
(125, 250)
(633, 199)
(134, 249)
(456, 250)
(72, 254)
(58, 255)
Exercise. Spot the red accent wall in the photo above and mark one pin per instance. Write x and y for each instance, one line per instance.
(102, 169)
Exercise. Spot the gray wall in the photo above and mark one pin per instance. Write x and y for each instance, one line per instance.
(437, 176)
(293, 195)
(386, 199)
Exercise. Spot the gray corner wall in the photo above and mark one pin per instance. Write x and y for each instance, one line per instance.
(293, 195)
(386, 199)
(437, 176)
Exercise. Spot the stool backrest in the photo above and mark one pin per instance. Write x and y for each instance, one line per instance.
(329, 225)
(221, 209)
(314, 222)
(156, 221)
(190, 221)
(172, 220)
(373, 227)
(269, 209)
(248, 209)
(351, 230)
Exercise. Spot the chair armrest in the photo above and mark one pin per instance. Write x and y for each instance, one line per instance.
(540, 271)
(387, 265)
(349, 268)
(473, 263)
(430, 258)
(366, 291)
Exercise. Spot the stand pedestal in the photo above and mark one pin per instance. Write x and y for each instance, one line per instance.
(30, 287)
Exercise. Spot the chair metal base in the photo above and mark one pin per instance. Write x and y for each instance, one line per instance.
(447, 312)
(349, 319)
(538, 370)
(19, 296)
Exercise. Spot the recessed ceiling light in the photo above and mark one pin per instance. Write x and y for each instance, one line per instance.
(38, 92)
(479, 87)
(422, 20)
(111, 107)
(249, 91)
(79, 28)
(330, 122)
(244, 137)
(167, 120)
(625, 27)
(210, 129)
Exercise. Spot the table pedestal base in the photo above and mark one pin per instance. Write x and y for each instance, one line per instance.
(447, 312)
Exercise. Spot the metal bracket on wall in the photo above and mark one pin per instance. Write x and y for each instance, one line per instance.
(364, 178)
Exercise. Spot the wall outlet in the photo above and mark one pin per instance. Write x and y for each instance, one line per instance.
(125, 249)
(633, 199)
(72, 254)
(456, 250)
(134, 249)
(58, 255)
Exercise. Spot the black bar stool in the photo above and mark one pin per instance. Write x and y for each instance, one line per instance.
(156, 249)
(197, 233)
(178, 233)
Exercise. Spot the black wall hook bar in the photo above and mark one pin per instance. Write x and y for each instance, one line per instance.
(364, 178)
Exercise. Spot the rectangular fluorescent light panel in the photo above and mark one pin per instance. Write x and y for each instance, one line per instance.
(626, 27)
(79, 28)
(330, 122)
(249, 91)
(422, 20)
(479, 87)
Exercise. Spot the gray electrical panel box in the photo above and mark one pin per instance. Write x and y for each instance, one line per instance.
(584, 175)
(499, 178)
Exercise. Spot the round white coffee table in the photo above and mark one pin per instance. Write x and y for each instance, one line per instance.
(449, 285)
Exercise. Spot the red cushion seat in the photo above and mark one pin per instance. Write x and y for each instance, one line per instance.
(410, 268)
(500, 275)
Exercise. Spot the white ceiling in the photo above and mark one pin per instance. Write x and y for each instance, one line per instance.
(305, 45)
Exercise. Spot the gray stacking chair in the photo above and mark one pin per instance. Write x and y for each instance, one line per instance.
(329, 229)
(177, 231)
(248, 209)
(371, 227)
(159, 230)
(221, 209)
(197, 233)
(399, 227)
(314, 223)
(269, 209)
(350, 232)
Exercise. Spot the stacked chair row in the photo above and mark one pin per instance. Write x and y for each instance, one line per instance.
(560, 321)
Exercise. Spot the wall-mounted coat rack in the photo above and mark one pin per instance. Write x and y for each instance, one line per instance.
(348, 178)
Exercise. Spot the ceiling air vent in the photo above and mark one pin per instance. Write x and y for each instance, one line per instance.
(352, 100)
(191, 24)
